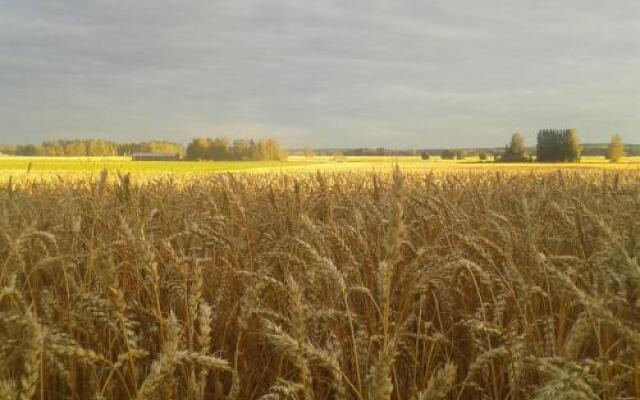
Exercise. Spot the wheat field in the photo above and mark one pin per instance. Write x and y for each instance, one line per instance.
(466, 284)
(18, 168)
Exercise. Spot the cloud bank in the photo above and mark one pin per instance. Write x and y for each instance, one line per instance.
(319, 73)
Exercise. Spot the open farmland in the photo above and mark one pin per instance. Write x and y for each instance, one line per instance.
(91, 167)
(436, 283)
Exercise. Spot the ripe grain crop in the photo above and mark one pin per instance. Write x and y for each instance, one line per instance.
(346, 285)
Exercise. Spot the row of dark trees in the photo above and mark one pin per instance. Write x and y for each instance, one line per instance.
(561, 145)
(360, 151)
(199, 149)
(453, 154)
(603, 149)
(94, 148)
(557, 145)
(554, 145)
(459, 154)
(223, 149)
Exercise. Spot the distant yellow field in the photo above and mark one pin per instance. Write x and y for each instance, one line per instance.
(416, 164)
(452, 283)
(86, 167)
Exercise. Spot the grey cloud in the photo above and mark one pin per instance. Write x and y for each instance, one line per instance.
(321, 73)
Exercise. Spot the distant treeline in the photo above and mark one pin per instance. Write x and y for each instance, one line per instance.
(381, 151)
(270, 149)
(223, 149)
(600, 149)
(447, 154)
(91, 148)
(359, 151)
(588, 149)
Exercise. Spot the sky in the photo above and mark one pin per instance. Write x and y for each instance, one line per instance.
(331, 73)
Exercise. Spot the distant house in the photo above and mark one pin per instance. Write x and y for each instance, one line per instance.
(156, 157)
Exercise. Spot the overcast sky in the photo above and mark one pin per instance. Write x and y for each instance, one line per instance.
(331, 73)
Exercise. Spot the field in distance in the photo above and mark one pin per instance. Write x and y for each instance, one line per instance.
(83, 167)
(90, 166)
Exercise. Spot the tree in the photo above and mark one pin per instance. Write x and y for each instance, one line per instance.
(160, 147)
(270, 150)
(483, 156)
(8, 149)
(517, 146)
(254, 150)
(615, 152)
(53, 149)
(425, 156)
(75, 148)
(241, 149)
(219, 149)
(573, 149)
(516, 151)
(29, 150)
(99, 148)
(447, 155)
(198, 149)
(558, 146)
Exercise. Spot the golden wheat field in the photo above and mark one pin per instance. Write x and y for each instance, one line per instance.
(55, 168)
(429, 284)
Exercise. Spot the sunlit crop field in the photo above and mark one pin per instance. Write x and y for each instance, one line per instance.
(460, 282)
(87, 167)
(92, 166)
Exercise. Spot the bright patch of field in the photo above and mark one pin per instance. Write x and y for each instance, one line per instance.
(87, 167)
(92, 166)
(416, 164)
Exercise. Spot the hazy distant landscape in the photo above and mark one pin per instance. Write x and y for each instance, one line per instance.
(87, 158)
